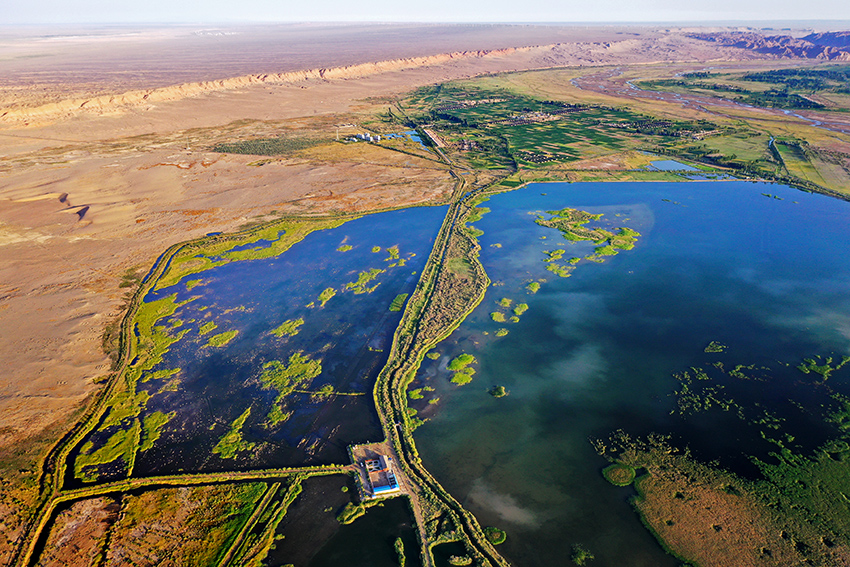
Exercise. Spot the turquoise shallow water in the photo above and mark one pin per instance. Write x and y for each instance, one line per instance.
(758, 267)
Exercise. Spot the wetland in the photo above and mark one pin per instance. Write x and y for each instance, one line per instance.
(600, 352)
(284, 380)
(560, 411)
(570, 371)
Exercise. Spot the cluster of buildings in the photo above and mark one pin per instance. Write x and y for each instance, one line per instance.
(382, 480)
(366, 137)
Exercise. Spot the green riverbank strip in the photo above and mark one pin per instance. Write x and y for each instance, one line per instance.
(414, 337)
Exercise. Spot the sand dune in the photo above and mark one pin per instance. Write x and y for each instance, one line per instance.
(616, 49)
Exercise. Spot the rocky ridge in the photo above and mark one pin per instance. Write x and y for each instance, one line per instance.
(828, 46)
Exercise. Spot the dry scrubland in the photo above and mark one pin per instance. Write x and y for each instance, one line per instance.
(97, 184)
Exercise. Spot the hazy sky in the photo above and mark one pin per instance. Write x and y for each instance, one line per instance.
(220, 11)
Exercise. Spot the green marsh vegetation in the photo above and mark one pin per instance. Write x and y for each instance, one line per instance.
(559, 270)
(495, 535)
(822, 366)
(533, 287)
(359, 286)
(501, 332)
(699, 392)
(498, 317)
(233, 443)
(350, 513)
(571, 223)
(152, 428)
(505, 302)
(345, 248)
(473, 232)
(376, 249)
(288, 328)
(799, 486)
(120, 445)
(714, 347)
(210, 252)
(498, 391)
(580, 555)
(462, 369)
(221, 339)
(619, 475)
(461, 361)
(159, 374)
(323, 393)
(276, 416)
(477, 214)
(121, 419)
(462, 378)
(207, 327)
(399, 549)
(296, 374)
(520, 309)
(326, 296)
(398, 302)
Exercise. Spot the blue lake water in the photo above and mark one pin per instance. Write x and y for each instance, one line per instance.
(671, 165)
(350, 335)
(596, 352)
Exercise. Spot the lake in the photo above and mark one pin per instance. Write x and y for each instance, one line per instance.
(760, 268)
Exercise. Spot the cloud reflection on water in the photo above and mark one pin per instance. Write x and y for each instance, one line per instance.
(504, 505)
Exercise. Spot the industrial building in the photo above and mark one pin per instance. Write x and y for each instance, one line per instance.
(382, 479)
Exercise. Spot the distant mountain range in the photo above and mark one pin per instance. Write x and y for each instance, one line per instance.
(829, 46)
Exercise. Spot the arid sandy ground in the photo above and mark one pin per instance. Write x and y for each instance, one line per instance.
(104, 183)
(51, 64)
